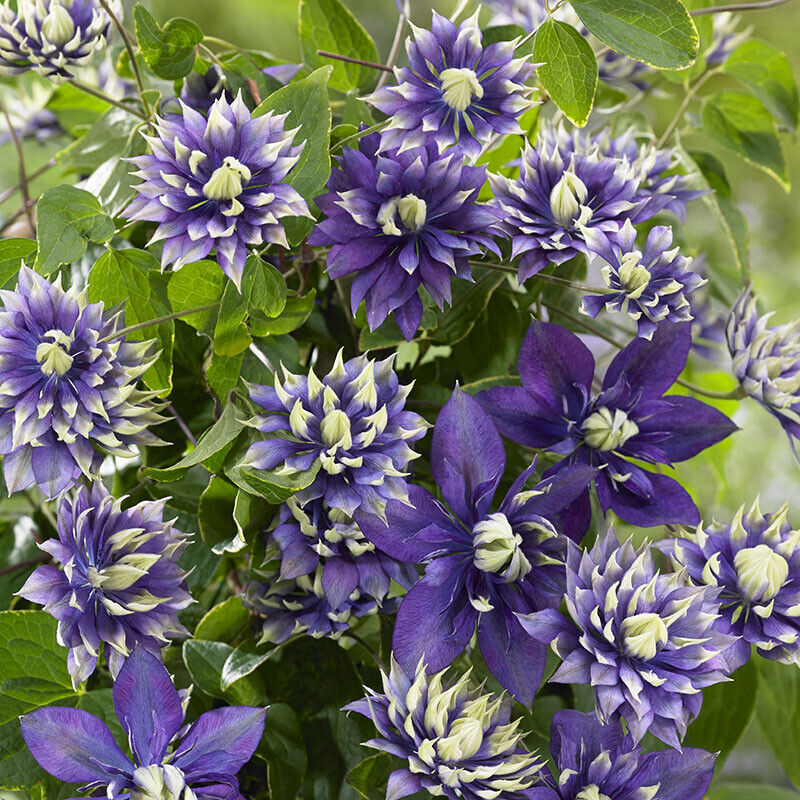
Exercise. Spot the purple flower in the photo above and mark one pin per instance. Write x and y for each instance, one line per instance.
(76, 747)
(218, 183)
(401, 221)
(482, 566)
(67, 386)
(646, 642)
(459, 743)
(454, 91)
(630, 417)
(119, 583)
(725, 38)
(201, 90)
(755, 562)
(557, 198)
(29, 118)
(598, 761)
(329, 574)
(353, 423)
(766, 362)
(51, 37)
(650, 286)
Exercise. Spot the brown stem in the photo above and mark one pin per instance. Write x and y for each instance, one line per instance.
(23, 177)
(738, 7)
(182, 425)
(33, 176)
(398, 37)
(338, 57)
(23, 564)
(85, 87)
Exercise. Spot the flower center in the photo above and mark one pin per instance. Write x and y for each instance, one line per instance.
(497, 549)
(643, 633)
(761, 572)
(412, 211)
(459, 86)
(591, 792)
(335, 430)
(632, 275)
(566, 198)
(160, 782)
(225, 182)
(58, 27)
(608, 430)
(52, 355)
(463, 741)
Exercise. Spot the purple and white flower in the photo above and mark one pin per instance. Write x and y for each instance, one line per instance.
(650, 286)
(218, 183)
(630, 418)
(169, 760)
(352, 423)
(646, 642)
(399, 222)
(766, 362)
(755, 562)
(482, 566)
(118, 584)
(459, 743)
(51, 37)
(596, 761)
(454, 92)
(557, 197)
(67, 386)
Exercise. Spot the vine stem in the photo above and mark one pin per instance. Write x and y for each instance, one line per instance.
(690, 94)
(158, 320)
(23, 177)
(349, 60)
(398, 38)
(23, 564)
(375, 657)
(739, 7)
(85, 87)
(35, 174)
(583, 287)
(355, 136)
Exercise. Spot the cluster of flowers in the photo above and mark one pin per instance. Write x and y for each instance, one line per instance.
(401, 215)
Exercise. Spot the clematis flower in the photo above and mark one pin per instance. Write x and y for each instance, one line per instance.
(755, 562)
(556, 199)
(766, 362)
(459, 743)
(454, 91)
(51, 37)
(646, 642)
(400, 221)
(76, 747)
(217, 183)
(67, 386)
(650, 286)
(597, 761)
(353, 423)
(631, 417)
(482, 566)
(119, 583)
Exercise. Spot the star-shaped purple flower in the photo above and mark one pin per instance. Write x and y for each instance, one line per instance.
(599, 762)
(400, 221)
(482, 566)
(557, 409)
(76, 747)
(454, 91)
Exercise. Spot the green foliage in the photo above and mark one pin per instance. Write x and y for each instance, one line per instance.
(568, 71)
(168, 51)
(195, 285)
(13, 253)
(778, 711)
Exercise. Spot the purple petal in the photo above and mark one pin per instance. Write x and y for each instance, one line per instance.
(577, 738)
(543, 625)
(402, 783)
(73, 745)
(148, 706)
(683, 775)
(518, 416)
(467, 456)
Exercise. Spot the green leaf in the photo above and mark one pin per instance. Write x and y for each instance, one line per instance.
(268, 294)
(215, 517)
(205, 660)
(294, 314)
(370, 776)
(328, 25)
(214, 441)
(223, 622)
(767, 72)
(111, 182)
(107, 138)
(568, 69)
(34, 670)
(750, 791)
(245, 659)
(726, 712)
(12, 253)
(658, 32)
(738, 120)
(133, 277)
(18, 770)
(274, 488)
(778, 711)
(68, 219)
(283, 749)
(222, 374)
(306, 101)
(193, 285)
(469, 302)
(168, 51)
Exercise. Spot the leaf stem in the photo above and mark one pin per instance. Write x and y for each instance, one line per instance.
(355, 136)
(23, 176)
(349, 60)
(85, 87)
(690, 94)
(23, 564)
(734, 394)
(35, 174)
(582, 287)
(157, 321)
(739, 7)
(398, 37)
